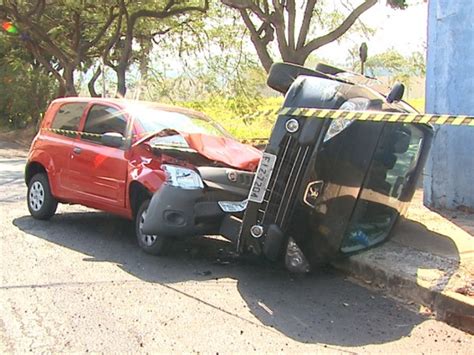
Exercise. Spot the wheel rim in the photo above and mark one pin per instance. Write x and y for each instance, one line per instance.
(36, 196)
(147, 239)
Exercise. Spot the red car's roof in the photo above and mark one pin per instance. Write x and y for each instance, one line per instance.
(124, 103)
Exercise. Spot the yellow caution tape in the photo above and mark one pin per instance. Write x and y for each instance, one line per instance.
(254, 141)
(393, 117)
(72, 133)
(252, 116)
(370, 116)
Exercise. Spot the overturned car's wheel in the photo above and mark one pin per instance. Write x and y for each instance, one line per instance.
(151, 244)
(41, 203)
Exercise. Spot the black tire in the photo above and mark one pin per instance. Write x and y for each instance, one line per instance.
(151, 244)
(41, 203)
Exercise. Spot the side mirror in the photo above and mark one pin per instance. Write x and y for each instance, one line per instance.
(396, 94)
(112, 139)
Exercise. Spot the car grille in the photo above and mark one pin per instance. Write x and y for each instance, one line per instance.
(284, 184)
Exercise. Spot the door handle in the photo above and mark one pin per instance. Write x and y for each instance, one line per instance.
(77, 150)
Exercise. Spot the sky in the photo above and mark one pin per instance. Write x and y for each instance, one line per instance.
(403, 30)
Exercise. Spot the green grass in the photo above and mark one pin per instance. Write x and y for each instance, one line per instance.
(419, 104)
(231, 113)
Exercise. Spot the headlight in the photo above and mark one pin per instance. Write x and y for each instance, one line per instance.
(340, 124)
(295, 260)
(233, 206)
(181, 177)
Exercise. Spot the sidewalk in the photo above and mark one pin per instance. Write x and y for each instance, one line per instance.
(429, 261)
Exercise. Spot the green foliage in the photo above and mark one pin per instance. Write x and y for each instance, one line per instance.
(209, 54)
(207, 64)
(228, 112)
(418, 104)
(397, 4)
(203, 58)
(392, 63)
(25, 89)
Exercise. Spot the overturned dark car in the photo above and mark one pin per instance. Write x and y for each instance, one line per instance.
(324, 188)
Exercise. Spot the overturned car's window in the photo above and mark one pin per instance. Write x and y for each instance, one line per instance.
(155, 120)
(391, 170)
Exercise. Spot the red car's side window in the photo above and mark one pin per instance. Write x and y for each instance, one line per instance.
(68, 117)
(103, 119)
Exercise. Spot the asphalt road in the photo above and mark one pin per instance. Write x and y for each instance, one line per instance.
(79, 283)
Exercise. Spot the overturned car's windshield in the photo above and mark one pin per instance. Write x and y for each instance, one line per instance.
(154, 120)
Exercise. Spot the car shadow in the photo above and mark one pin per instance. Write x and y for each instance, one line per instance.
(316, 308)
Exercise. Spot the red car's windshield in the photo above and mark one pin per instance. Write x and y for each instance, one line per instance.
(152, 120)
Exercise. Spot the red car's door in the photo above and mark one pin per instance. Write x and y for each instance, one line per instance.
(56, 141)
(98, 173)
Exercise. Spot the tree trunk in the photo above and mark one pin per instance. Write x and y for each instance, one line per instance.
(91, 84)
(281, 23)
(68, 75)
(61, 90)
(121, 80)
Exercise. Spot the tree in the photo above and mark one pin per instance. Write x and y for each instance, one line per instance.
(210, 54)
(289, 24)
(208, 61)
(62, 35)
(67, 36)
(25, 87)
(118, 53)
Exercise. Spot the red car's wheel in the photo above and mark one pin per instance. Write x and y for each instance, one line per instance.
(41, 203)
(151, 244)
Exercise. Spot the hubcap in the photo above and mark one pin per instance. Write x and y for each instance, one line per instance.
(147, 239)
(36, 196)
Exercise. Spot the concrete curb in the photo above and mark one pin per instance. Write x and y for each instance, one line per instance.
(450, 307)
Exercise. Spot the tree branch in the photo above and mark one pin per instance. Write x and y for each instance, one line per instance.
(36, 51)
(249, 5)
(110, 19)
(113, 41)
(77, 33)
(36, 30)
(339, 31)
(37, 9)
(259, 43)
(305, 24)
(91, 83)
(278, 22)
(291, 8)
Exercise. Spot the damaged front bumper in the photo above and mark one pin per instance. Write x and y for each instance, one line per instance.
(176, 212)
(180, 212)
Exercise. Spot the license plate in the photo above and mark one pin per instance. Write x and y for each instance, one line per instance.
(262, 178)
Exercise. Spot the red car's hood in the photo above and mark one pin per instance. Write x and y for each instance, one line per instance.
(221, 149)
(224, 150)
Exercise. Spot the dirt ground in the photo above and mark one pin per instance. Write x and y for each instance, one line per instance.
(16, 143)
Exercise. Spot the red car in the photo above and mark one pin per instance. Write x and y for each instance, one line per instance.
(112, 155)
